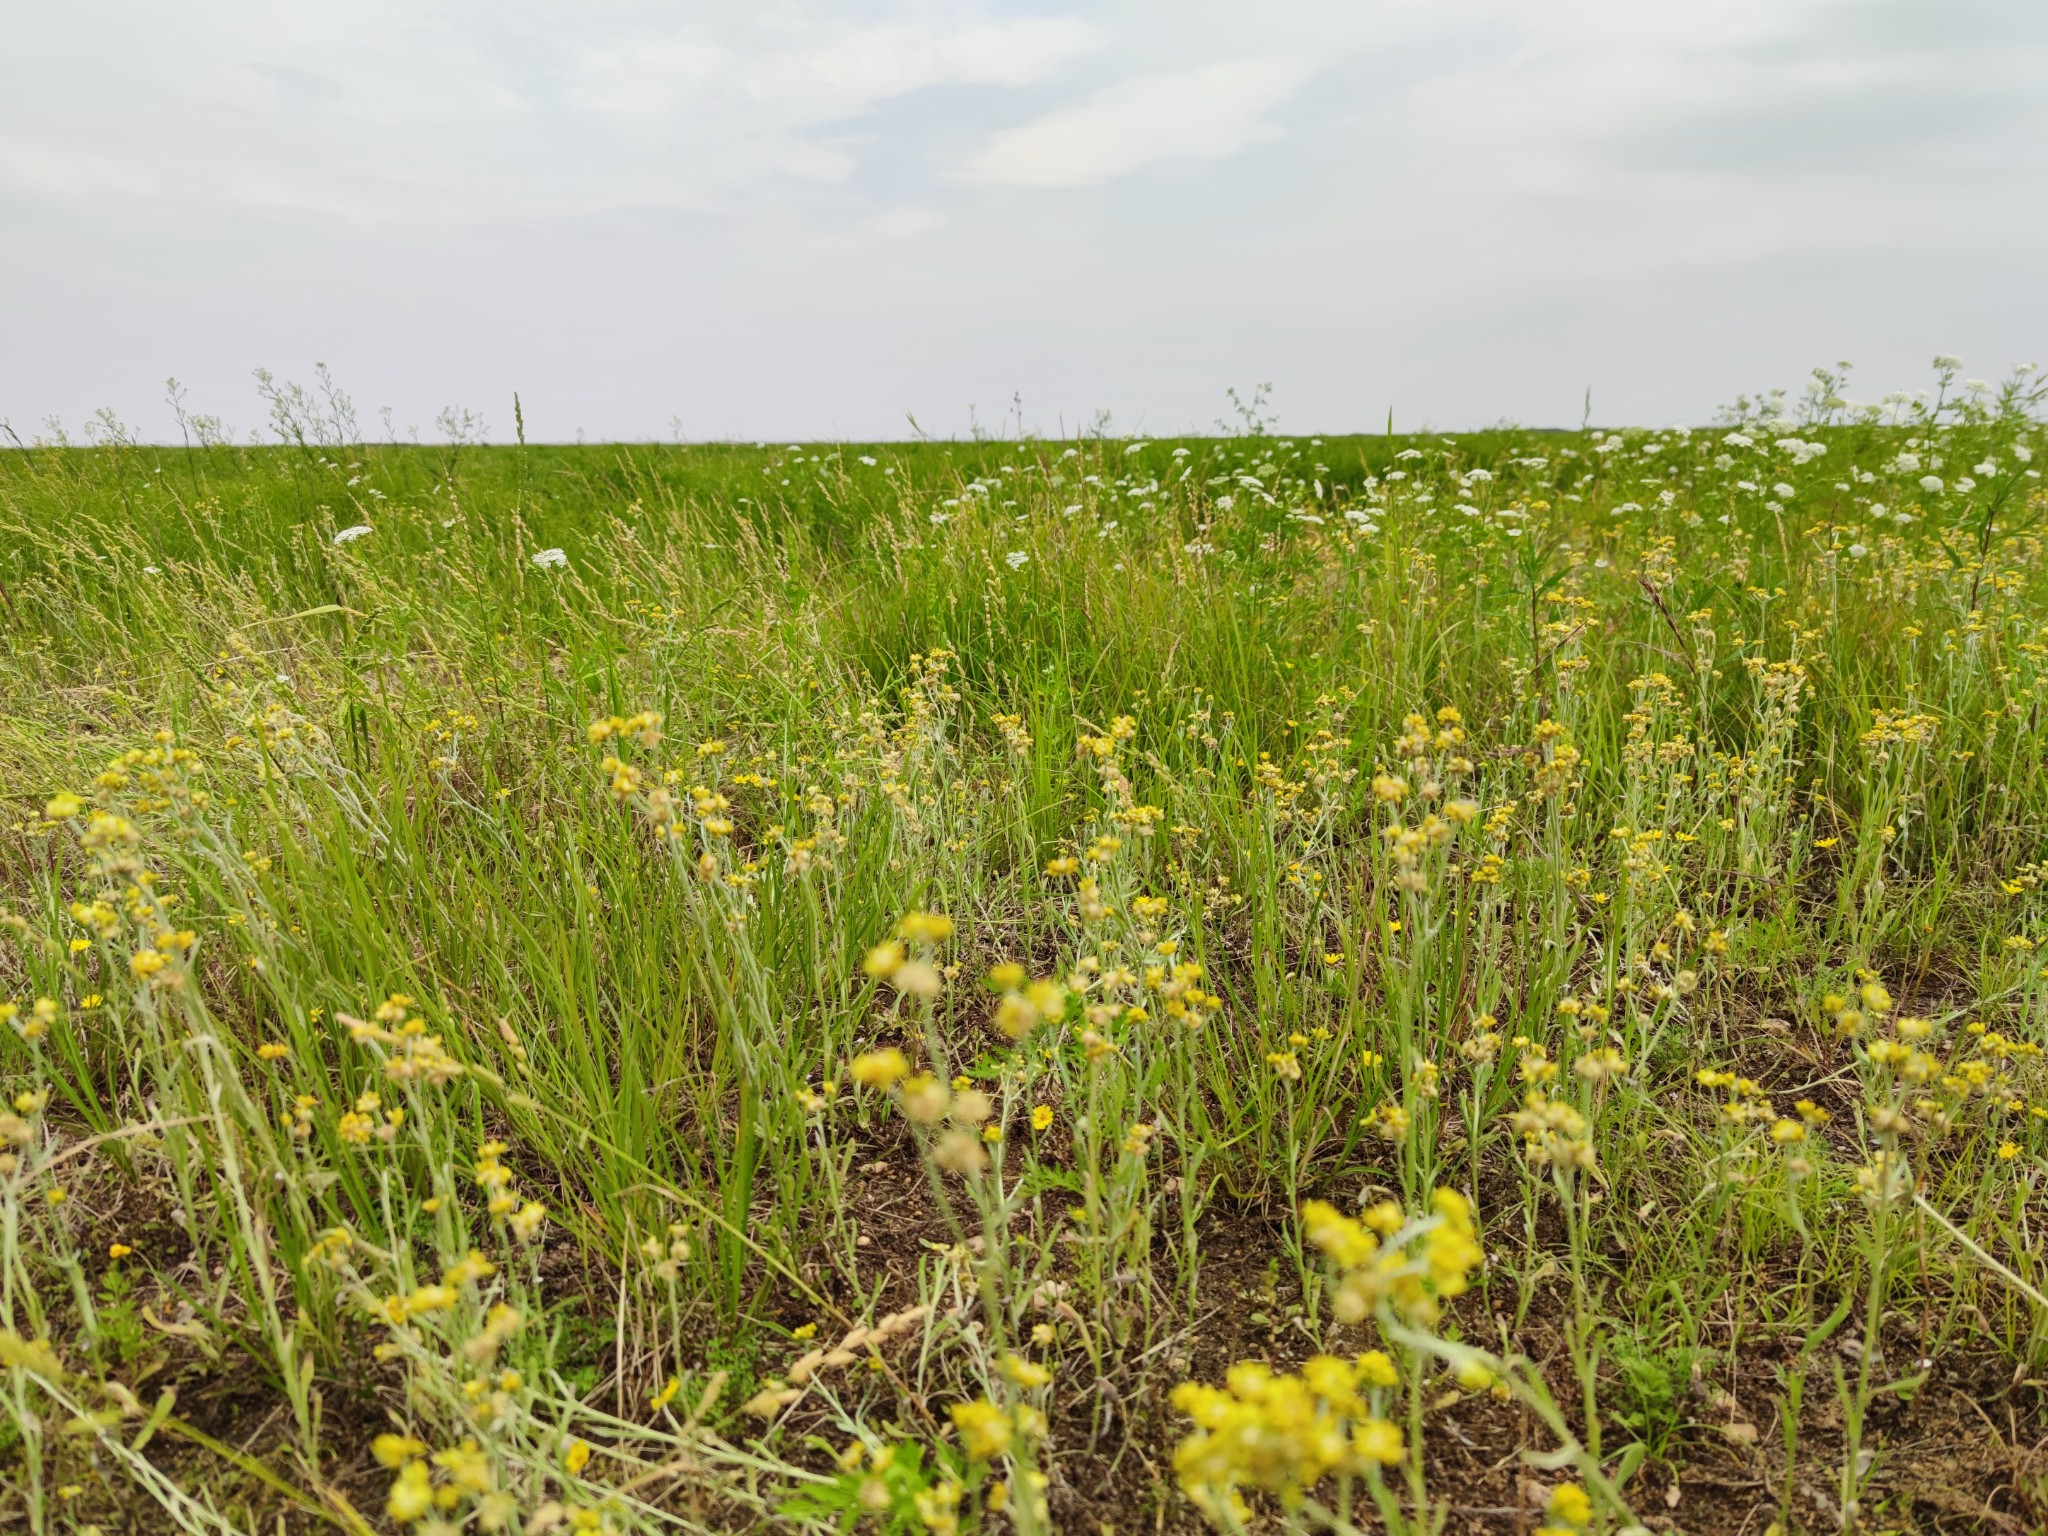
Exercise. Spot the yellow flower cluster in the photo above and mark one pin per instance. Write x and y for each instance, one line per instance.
(894, 963)
(1024, 1004)
(442, 1483)
(410, 1053)
(495, 1179)
(1553, 1132)
(1414, 1266)
(1283, 1434)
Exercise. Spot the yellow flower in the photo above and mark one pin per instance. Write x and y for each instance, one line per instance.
(1346, 1241)
(925, 928)
(412, 1494)
(916, 978)
(396, 1450)
(1376, 1370)
(985, 1429)
(118, 1250)
(1570, 1505)
(1041, 1117)
(1025, 1373)
(879, 1069)
(270, 1050)
(63, 806)
(1377, 1440)
(577, 1457)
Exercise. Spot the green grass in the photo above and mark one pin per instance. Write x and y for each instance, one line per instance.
(1439, 809)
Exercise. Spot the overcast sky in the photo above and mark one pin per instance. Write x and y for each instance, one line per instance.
(805, 219)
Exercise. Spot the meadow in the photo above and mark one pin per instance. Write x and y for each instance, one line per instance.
(1451, 982)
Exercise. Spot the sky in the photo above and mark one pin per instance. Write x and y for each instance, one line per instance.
(815, 220)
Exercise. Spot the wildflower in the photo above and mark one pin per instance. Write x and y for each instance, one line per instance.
(1041, 1117)
(1377, 1440)
(550, 559)
(577, 1457)
(924, 1099)
(394, 1451)
(925, 928)
(916, 978)
(411, 1495)
(879, 1069)
(1025, 1373)
(985, 1430)
(118, 1250)
(1598, 1066)
(1569, 1506)
(960, 1152)
(1376, 1370)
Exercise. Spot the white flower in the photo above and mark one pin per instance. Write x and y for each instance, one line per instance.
(1015, 558)
(939, 517)
(2023, 453)
(1781, 489)
(1943, 360)
(1071, 510)
(1878, 509)
(350, 535)
(1739, 440)
(867, 461)
(1858, 550)
(1902, 518)
(1931, 484)
(1966, 485)
(1988, 467)
(551, 559)
(1907, 463)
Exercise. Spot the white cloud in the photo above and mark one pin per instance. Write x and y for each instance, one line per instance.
(820, 74)
(1197, 114)
(904, 223)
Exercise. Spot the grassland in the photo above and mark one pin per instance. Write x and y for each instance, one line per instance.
(1472, 982)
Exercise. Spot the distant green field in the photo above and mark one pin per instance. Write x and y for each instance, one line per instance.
(1349, 983)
